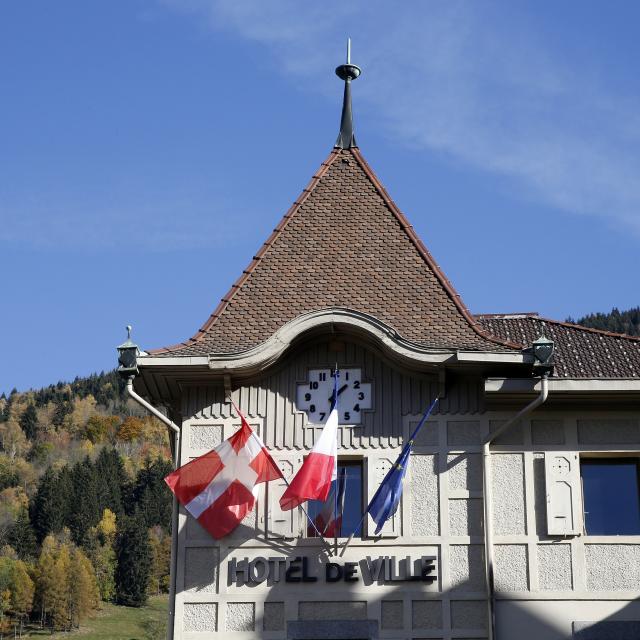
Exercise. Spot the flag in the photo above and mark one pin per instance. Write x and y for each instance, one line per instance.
(329, 521)
(220, 487)
(320, 467)
(386, 499)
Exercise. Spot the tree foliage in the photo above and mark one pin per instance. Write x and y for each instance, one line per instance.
(617, 321)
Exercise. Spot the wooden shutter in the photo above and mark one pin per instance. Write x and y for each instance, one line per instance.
(376, 470)
(562, 482)
(282, 524)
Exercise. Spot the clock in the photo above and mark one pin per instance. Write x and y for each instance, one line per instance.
(314, 397)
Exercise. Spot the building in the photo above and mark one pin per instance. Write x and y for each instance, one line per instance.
(344, 281)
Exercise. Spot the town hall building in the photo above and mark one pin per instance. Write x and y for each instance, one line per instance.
(520, 515)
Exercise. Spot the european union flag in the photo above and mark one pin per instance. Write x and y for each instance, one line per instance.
(387, 498)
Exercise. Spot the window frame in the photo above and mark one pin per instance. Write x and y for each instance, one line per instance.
(353, 461)
(608, 458)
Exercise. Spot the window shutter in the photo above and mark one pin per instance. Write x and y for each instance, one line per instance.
(377, 469)
(562, 481)
(281, 524)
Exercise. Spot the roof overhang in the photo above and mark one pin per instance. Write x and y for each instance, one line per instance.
(336, 319)
(604, 390)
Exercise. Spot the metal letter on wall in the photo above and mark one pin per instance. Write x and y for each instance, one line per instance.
(562, 481)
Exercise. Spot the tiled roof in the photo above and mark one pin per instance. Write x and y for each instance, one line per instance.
(580, 352)
(343, 243)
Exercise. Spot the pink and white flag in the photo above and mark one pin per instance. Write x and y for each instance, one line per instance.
(220, 487)
(320, 467)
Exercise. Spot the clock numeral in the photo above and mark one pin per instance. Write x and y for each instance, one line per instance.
(322, 377)
(312, 408)
(346, 375)
(356, 408)
(322, 415)
(356, 384)
(307, 397)
(313, 385)
(347, 415)
(360, 395)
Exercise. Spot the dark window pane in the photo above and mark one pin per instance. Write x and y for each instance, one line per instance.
(611, 499)
(349, 472)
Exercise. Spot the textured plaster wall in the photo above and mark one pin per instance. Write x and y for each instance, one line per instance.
(508, 494)
(465, 517)
(613, 567)
(426, 614)
(241, 616)
(468, 614)
(201, 569)
(425, 503)
(511, 567)
(463, 433)
(392, 614)
(466, 567)
(554, 567)
(200, 616)
(464, 471)
(332, 610)
(273, 619)
(608, 431)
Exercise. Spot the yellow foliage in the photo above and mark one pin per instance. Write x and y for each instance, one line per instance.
(107, 525)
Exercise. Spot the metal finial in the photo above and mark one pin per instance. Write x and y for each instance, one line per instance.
(129, 328)
(347, 72)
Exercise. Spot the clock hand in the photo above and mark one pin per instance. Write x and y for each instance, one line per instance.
(340, 390)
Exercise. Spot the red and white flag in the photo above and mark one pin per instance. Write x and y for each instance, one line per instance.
(329, 521)
(220, 487)
(320, 467)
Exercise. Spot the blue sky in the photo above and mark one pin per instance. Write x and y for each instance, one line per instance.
(148, 147)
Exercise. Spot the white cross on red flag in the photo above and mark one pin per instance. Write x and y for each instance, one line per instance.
(220, 487)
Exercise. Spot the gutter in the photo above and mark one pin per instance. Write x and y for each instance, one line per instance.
(488, 500)
(174, 507)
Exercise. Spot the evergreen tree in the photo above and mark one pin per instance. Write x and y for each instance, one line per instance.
(22, 537)
(29, 422)
(47, 508)
(133, 553)
(86, 510)
(112, 480)
(150, 497)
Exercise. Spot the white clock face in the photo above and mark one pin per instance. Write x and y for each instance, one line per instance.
(354, 396)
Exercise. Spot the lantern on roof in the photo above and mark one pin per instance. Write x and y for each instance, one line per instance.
(128, 353)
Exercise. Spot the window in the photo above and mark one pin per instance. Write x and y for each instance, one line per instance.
(611, 499)
(349, 517)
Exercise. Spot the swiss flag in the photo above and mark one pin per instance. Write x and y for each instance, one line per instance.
(220, 487)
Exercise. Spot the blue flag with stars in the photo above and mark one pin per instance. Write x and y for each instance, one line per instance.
(387, 498)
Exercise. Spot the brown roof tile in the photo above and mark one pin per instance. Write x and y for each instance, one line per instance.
(580, 352)
(343, 243)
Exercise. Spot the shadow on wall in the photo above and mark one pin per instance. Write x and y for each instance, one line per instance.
(343, 609)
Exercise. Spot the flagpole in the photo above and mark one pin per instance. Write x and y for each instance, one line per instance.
(409, 444)
(335, 492)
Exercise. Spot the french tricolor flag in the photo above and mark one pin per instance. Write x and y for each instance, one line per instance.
(220, 487)
(320, 467)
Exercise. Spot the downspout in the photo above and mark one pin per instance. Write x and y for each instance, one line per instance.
(488, 500)
(177, 443)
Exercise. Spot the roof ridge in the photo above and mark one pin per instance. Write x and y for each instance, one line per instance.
(407, 227)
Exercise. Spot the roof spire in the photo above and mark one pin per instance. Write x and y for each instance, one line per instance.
(347, 72)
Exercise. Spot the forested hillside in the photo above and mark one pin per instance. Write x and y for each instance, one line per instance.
(84, 512)
(617, 321)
